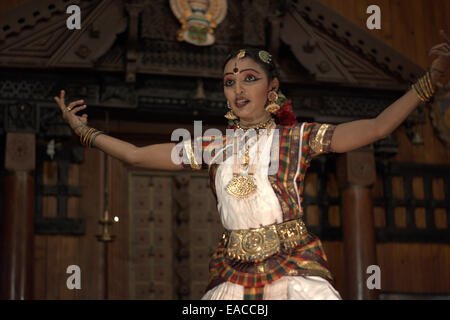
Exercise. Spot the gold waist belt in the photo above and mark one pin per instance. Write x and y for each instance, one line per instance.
(258, 244)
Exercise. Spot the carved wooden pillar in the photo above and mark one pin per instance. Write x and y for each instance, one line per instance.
(16, 238)
(356, 174)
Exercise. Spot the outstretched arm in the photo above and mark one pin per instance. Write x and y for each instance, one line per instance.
(355, 134)
(157, 156)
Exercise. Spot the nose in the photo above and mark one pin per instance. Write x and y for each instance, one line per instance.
(238, 87)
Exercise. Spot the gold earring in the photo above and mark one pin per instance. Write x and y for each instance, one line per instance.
(230, 114)
(273, 107)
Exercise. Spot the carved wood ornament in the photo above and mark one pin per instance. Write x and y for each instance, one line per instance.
(198, 19)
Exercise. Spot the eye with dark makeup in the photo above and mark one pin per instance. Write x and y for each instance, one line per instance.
(250, 78)
(228, 82)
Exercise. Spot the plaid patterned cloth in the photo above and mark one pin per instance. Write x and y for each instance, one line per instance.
(308, 259)
(253, 293)
(294, 159)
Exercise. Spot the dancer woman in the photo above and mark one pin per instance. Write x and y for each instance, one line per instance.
(266, 251)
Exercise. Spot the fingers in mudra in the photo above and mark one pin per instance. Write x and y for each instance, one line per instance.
(69, 112)
(60, 100)
(441, 52)
(71, 107)
(443, 49)
(75, 110)
(441, 46)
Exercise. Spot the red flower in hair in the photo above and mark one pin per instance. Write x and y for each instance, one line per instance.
(285, 115)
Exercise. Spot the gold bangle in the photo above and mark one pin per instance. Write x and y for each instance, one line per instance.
(88, 138)
(95, 136)
(83, 130)
(87, 135)
(424, 88)
(418, 93)
(83, 136)
(426, 85)
(91, 138)
(430, 84)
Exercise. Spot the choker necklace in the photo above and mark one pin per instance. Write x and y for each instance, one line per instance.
(261, 125)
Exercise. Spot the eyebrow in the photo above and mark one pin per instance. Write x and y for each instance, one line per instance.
(249, 69)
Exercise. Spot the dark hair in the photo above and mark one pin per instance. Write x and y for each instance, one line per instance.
(270, 68)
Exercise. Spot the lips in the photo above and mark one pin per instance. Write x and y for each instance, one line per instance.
(241, 102)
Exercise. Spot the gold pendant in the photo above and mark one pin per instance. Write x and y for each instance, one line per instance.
(245, 161)
(241, 186)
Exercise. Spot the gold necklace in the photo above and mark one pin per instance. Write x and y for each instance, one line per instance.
(242, 186)
(261, 125)
(268, 124)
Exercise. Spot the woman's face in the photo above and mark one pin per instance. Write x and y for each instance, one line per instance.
(247, 91)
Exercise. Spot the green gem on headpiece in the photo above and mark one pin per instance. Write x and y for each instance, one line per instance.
(265, 56)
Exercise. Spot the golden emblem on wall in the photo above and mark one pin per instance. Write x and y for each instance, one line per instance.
(198, 19)
(440, 114)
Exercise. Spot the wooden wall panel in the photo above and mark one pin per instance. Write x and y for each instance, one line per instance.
(54, 253)
(151, 244)
(90, 251)
(118, 253)
(414, 267)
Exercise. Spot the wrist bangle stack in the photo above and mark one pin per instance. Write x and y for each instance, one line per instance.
(424, 88)
(88, 135)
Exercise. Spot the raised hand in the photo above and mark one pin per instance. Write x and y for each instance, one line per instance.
(69, 112)
(441, 64)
